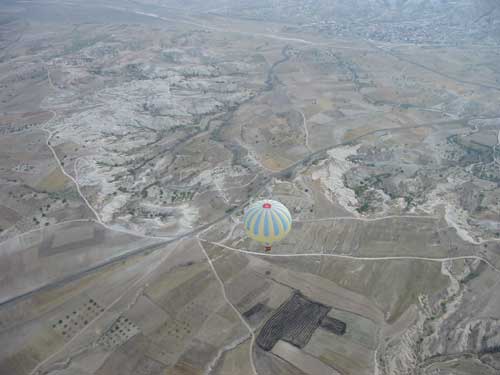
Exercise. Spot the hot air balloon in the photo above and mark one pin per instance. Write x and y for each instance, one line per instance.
(267, 221)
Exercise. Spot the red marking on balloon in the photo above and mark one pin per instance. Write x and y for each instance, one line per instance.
(266, 205)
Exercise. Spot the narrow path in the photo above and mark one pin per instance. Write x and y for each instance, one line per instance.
(223, 290)
(94, 212)
(352, 257)
(366, 218)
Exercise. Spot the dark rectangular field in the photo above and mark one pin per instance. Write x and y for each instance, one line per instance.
(295, 321)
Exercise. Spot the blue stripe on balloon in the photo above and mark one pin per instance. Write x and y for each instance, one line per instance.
(266, 224)
(284, 212)
(257, 223)
(250, 218)
(283, 219)
(274, 220)
(250, 210)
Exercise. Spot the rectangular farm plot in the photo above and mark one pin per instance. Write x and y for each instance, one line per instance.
(302, 360)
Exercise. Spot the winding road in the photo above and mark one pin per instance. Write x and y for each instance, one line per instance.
(357, 258)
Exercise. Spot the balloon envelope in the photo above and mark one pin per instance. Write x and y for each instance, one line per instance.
(267, 221)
